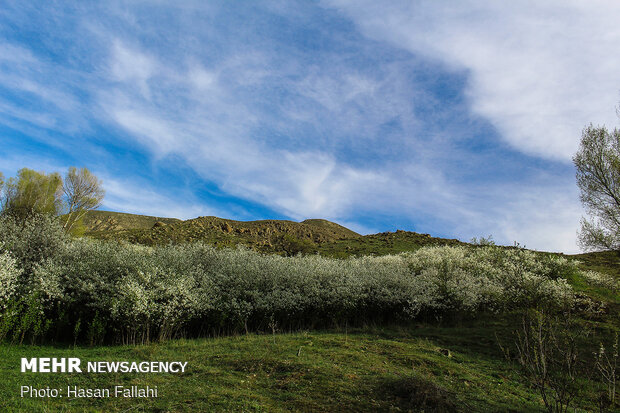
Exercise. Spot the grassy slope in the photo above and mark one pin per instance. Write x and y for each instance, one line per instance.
(383, 369)
(370, 369)
(388, 368)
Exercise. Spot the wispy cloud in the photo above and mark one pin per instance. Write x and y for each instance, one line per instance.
(136, 198)
(539, 71)
(215, 135)
(458, 120)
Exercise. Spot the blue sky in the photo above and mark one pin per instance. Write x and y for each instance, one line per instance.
(455, 118)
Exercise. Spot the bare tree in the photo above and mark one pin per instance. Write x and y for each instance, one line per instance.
(548, 351)
(607, 366)
(83, 193)
(598, 177)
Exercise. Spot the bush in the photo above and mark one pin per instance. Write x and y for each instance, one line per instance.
(602, 280)
(162, 292)
(96, 289)
(549, 352)
(9, 279)
(20, 314)
(465, 279)
(31, 241)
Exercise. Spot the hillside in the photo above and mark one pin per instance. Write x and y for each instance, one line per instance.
(102, 221)
(273, 236)
(390, 369)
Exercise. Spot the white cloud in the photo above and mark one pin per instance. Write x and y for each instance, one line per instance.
(544, 221)
(16, 55)
(201, 78)
(10, 111)
(543, 216)
(138, 198)
(129, 64)
(160, 137)
(132, 66)
(538, 71)
(212, 136)
(38, 92)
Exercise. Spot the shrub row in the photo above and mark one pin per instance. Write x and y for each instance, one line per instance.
(98, 290)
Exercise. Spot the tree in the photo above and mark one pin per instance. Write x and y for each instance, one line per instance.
(36, 193)
(598, 178)
(548, 350)
(31, 193)
(83, 192)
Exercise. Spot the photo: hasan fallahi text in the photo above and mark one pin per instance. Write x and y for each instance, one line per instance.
(81, 392)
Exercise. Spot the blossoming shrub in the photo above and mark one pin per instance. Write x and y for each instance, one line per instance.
(139, 293)
(602, 280)
(31, 241)
(97, 290)
(490, 278)
(9, 279)
(21, 311)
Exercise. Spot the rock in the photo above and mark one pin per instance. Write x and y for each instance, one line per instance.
(445, 352)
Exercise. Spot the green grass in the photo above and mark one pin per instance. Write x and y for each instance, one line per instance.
(371, 369)
(605, 262)
(448, 366)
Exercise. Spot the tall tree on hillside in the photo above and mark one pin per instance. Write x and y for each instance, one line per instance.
(83, 192)
(32, 192)
(598, 178)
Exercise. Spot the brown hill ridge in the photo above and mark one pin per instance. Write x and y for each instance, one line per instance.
(115, 221)
(273, 236)
(315, 230)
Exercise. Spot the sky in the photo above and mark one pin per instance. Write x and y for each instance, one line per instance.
(454, 118)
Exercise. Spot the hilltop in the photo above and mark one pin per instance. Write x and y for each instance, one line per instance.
(106, 221)
(272, 236)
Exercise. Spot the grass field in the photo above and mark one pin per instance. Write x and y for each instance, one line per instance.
(370, 369)
(418, 367)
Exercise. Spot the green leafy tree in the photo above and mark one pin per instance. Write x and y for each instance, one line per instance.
(83, 192)
(31, 193)
(598, 177)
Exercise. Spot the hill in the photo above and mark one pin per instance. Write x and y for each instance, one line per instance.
(102, 221)
(272, 236)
